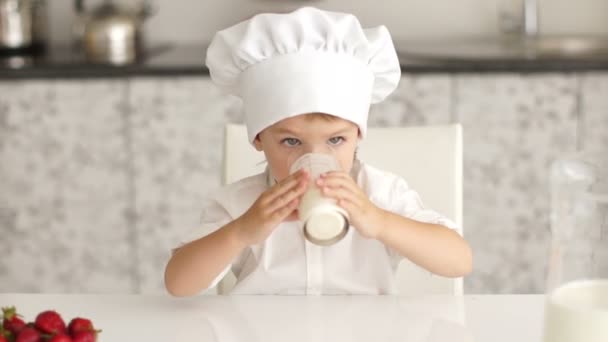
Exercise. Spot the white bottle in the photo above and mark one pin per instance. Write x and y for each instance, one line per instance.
(325, 223)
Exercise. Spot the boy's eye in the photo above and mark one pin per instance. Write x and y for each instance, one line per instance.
(336, 140)
(290, 142)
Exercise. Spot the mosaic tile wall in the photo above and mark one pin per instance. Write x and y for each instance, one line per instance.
(100, 178)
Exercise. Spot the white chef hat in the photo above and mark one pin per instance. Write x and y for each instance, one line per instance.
(306, 61)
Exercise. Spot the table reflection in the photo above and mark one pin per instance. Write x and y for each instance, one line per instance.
(344, 318)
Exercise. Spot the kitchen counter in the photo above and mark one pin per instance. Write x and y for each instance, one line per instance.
(63, 62)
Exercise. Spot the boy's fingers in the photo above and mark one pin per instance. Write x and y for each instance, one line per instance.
(285, 199)
(338, 182)
(336, 176)
(289, 182)
(282, 213)
(349, 206)
(339, 174)
(284, 186)
(340, 194)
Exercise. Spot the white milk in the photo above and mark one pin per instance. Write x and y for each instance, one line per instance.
(324, 221)
(577, 312)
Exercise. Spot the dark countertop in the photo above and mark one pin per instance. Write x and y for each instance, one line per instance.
(61, 62)
(64, 62)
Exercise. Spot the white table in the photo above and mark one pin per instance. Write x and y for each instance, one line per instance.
(479, 318)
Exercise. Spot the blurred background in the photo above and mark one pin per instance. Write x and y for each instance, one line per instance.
(111, 130)
(190, 21)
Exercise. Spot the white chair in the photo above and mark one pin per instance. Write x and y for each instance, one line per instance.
(429, 158)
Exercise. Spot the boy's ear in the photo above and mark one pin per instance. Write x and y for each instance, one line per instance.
(257, 143)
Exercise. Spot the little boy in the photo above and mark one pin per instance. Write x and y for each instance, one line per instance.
(307, 80)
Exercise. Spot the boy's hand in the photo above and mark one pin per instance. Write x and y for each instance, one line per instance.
(364, 215)
(271, 208)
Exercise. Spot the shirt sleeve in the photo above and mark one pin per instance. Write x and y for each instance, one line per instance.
(213, 217)
(405, 201)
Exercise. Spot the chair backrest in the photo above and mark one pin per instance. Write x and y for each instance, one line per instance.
(429, 158)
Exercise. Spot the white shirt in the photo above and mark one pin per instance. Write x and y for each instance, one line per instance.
(287, 263)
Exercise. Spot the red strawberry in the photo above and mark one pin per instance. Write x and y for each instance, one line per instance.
(80, 324)
(50, 322)
(28, 334)
(61, 338)
(4, 334)
(84, 336)
(11, 321)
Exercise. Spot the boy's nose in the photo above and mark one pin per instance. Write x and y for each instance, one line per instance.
(318, 148)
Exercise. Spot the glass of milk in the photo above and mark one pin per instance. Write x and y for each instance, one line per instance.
(577, 283)
(325, 223)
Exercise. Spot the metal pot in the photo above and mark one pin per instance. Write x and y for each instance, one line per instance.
(112, 34)
(23, 25)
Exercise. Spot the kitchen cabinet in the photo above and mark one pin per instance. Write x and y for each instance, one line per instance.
(64, 187)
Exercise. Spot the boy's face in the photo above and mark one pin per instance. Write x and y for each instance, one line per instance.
(288, 139)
